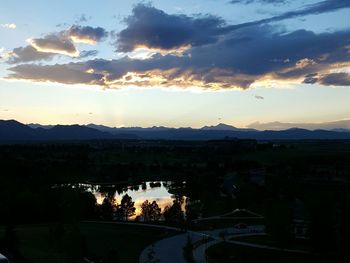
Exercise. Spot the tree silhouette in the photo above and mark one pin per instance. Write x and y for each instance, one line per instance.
(126, 208)
(150, 211)
(174, 214)
(108, 208)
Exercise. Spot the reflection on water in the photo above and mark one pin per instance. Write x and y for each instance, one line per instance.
(151, 191)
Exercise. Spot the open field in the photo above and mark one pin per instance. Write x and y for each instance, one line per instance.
(101, 239)
(230, 253)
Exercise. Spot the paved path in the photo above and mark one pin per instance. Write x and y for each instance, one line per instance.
(199, 252)
(170, 250)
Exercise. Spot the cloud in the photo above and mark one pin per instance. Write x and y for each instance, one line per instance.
(149, 27)
(244, 58)
(27, 54)
(259, 1)
(88, 53)
(87, 34)
(259, 97)
(152, 28)
(9, 26)
(335, 79)
(217, 56)
(60, 43)
(311, 9)
(30, 54)
(53, 43)
(82, 18)
(66, 74)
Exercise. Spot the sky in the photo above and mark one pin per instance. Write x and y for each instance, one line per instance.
(185, 63)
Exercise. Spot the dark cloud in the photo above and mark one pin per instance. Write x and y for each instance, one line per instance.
(88, 53)
(220, 56)
(335, 79)
(87, 34)
(153, 28)
(60, 43)
(311, 9)
(53, 43)
(246, 56)
(27, 54)
(67, 74)
(310, 78)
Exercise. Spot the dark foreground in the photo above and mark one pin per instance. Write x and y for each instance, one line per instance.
(299, 191)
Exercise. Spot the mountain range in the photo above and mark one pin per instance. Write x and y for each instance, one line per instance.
(11, 130)
(339, 125)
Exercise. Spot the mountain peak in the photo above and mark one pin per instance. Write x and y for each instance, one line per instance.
(220, 127)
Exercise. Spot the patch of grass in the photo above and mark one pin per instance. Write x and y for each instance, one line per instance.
(127, 241)
(298, 244)
(225, 223)
(231, 253)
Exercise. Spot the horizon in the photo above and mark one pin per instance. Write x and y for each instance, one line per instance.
(341, 125)
(273, 63)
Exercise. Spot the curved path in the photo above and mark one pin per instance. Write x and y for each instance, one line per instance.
(170, 250)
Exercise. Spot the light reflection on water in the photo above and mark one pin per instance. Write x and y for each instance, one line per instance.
(151, 191)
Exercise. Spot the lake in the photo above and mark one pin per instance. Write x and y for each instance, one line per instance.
(160, 191)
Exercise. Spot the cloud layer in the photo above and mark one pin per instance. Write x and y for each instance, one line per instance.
(214, 55)
(246, 57)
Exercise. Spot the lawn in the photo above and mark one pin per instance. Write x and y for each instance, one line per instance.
(101, 239)
(298, 244)
(225, 222)
(231, 253)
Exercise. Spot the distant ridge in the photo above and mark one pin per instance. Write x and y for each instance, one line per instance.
(12, 130)
(340, 125)
(220, 127)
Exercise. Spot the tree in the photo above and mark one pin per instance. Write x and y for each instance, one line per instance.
(174, 214)
(150, 211)
(126, 208)
(108, 208)
(322, 222)
(279, 220)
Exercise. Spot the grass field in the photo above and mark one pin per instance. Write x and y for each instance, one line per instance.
(231, 253)
(299, 244)
(127, 241)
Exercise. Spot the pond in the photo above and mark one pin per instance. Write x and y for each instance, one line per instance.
(163, 192)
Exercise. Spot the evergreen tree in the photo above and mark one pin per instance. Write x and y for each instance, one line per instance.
(126, 208)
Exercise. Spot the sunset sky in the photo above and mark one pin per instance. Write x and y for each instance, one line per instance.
(174, 63)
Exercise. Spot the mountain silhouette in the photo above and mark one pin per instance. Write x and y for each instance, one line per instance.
(12, 130)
